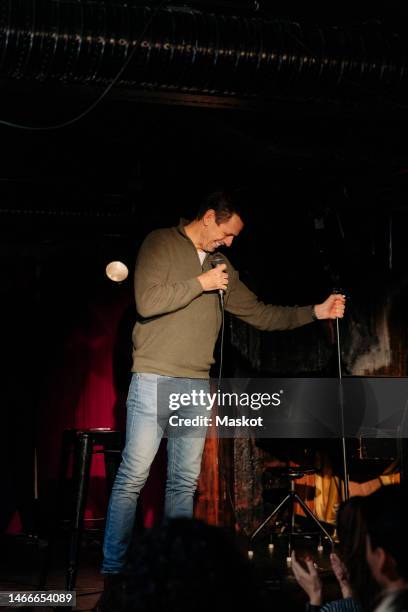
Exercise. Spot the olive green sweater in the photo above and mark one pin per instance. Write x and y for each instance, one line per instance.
(179, 323)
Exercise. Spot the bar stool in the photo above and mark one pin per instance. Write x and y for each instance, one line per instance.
(82, 443)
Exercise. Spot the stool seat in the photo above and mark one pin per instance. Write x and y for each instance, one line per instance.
(97, 434)
(291, 471)
(83, 443)
(296, 473)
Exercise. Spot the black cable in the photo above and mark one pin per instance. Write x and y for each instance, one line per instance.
(221, 466)
(222, 339)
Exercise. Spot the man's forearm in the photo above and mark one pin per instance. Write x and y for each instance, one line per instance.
(163, 298)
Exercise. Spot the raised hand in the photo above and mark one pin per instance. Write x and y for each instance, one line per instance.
(308, 578)
(340, 571)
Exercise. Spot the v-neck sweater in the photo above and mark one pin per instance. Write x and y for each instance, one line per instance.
(179, 323)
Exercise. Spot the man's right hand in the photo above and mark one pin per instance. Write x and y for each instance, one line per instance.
(216, 278)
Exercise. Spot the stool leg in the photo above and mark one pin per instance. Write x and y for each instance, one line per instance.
(270, 517)
(292, 517)
(82, 466)
(291, 530)
(311, 514)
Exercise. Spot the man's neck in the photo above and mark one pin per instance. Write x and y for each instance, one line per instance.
(193, 231)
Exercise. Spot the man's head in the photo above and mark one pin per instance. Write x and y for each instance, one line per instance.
(219, 221)
(385, 513)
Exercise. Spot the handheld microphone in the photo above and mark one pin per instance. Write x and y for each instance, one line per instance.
(216, 259)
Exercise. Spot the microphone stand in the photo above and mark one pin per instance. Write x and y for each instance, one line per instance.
(341, 398)
(327, 266)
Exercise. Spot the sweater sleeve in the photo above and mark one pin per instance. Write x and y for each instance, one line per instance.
(244, 304)
(154, 294)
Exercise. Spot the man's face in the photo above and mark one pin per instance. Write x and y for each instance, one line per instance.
(215, 236)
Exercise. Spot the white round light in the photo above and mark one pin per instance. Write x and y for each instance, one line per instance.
(116, 271)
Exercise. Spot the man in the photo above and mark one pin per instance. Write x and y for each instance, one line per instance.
(176, 291)
(387, 549)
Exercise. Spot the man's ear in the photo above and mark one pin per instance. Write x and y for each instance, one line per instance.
(209, 216)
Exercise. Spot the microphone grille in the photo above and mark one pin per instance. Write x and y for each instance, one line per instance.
(216, 259)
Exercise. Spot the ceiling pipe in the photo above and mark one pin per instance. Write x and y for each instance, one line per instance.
(182, 49)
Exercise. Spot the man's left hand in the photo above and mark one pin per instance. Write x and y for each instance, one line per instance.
(332, 308)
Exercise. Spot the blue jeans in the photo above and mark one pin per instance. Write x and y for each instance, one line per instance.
(144, 431)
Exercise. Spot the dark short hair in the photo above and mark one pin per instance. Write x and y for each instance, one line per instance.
(385, 513)
(224, 203)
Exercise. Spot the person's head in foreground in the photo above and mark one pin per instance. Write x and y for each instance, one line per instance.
(185, 566)
(350, 568)
(352, 534)
(386, 514)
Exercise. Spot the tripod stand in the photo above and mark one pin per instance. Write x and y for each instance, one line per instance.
(291, 498)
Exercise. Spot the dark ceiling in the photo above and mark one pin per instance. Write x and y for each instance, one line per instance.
(326, 180)
(144, 158)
